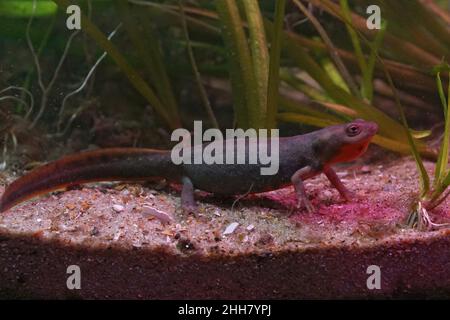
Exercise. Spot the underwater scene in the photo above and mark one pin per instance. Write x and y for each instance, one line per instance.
(224, 149)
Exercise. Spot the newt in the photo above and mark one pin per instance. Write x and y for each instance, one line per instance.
(300, 157)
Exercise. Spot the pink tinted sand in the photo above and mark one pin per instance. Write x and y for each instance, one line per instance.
(271, 252)
(383, 196)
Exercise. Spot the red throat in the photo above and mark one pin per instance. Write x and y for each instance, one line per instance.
(350, 151)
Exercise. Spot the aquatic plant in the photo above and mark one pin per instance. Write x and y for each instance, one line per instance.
(198, 80)
(338, 93)
(160, 96)
(433, 194)
(26, 8)
(334, 97)
(339, 74)
(33, 9)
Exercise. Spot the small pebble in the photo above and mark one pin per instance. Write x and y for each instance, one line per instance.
(250, 227)
(327, 194)
(230, 228)
(342, 174)
(366, 169)
(162, 216)
(118, 208)
(117, 236)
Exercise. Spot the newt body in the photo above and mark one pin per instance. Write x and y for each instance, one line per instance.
(300, 157)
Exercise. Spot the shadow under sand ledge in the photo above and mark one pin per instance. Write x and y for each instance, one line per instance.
(126, 250)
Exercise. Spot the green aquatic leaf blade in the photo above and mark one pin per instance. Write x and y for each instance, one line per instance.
(146, 44)
(259, 56)
(306, 119)
(420, 134)
(274, 64)
(442, 162)
(292, 106)
(131, 73)
(241, 68)
(367, 86)
(24, 8)
(440, 87)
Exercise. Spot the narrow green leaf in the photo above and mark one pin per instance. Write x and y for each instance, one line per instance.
(197, 76)
(148, 48)
(441, 93)
(309, 120)
(241, 70)
(420, 134)
(391, 144)
(442, 162)
(133, 76)
(298, 84)
(260, 57)
(274, 66)
(291, 105)
(353, 36)
(367, 86)
(340, 109)
(24, 8)
(332, 51)
(334, 74)
(445, 183)
(388, 126)
(423, 174)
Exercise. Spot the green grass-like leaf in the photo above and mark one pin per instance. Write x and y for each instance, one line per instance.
(274, 64)
(423, 174)
(146, 43)
(440, 181)
(241, 70)
(198, 80)
(305, 119)
(441, 93)
(367, 85)
(259, 56)
(24, 8)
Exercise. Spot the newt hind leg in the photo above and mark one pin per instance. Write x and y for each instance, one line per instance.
(188, 204)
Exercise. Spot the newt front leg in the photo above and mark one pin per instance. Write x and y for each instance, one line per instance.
(337, 183)
(308, 172)
(297, 180)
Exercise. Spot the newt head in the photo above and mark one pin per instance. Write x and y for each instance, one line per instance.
(345, 142)
(355, 139)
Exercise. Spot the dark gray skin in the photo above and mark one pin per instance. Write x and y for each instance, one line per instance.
(301, 157)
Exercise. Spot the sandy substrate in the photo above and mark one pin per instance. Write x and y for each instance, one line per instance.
(131, 241)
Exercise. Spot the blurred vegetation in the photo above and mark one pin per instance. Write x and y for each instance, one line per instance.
(433, 194)
(310, 62)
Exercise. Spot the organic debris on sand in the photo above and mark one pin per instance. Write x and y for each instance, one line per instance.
(116, 212)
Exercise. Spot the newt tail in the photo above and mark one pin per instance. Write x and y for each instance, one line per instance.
(114, 164)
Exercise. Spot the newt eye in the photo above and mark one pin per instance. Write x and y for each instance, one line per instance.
(353, 130)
